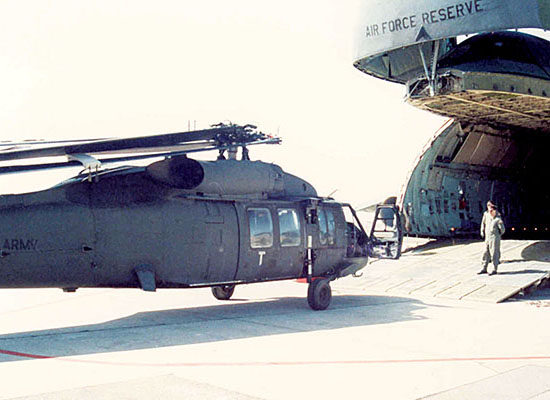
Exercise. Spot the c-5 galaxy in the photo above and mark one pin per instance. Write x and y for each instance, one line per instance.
(180, 222)
(494, 84)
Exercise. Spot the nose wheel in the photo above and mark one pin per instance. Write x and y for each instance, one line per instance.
(319, 294)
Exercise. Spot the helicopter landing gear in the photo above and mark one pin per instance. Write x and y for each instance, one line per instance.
(319, 294)
(223, 292)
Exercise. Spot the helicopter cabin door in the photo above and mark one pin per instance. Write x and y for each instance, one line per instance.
(271, 241)
(386, 236)
(326, 233)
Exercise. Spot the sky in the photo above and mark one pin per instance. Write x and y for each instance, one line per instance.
(128, 68)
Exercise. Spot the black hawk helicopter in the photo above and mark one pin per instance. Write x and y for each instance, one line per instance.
(180, 222)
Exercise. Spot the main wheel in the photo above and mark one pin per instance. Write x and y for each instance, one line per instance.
(319, 294)
(223, 292)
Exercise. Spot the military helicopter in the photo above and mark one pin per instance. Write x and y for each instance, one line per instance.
(180, 222)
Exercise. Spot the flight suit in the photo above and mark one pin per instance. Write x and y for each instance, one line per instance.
(492, 229)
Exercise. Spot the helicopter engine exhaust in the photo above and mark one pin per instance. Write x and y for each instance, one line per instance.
(222, 177)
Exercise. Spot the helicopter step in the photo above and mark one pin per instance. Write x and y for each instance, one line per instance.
(146, 276)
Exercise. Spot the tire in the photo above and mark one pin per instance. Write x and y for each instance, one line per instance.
(319, 294)
(223, 292)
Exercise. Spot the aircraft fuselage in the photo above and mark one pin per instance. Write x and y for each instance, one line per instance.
(100, 234)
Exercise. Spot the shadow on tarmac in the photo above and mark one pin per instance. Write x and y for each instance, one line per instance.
(227, 321)
(520, 272)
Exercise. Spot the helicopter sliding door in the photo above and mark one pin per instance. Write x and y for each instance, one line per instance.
(272, 242)
(290, 240)
(327, 234)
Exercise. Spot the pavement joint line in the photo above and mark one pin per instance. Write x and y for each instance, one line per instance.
(423, 286)
(447, 288)
(399, 284)
(472, 291)
(484, 365)
(535, 396)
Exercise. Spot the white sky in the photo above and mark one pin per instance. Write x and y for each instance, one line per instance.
(71, 69)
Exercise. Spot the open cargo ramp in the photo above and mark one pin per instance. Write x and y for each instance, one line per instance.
(448, 269)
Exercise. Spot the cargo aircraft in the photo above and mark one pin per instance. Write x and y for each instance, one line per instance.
(179, 222)
(465, 59)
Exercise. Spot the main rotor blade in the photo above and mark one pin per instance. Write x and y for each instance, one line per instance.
(11, 169)
(135, 144)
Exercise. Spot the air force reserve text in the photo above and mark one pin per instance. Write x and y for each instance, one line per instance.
(455, 11)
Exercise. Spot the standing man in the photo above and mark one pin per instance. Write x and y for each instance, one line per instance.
(492, 229)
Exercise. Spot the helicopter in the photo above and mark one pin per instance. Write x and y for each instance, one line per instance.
(179, 222)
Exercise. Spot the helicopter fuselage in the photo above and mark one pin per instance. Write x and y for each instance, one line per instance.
(180, 222)
(125, 229)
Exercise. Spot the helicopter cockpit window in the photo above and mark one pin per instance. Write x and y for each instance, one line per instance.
(289, 227)
(261, 227)
(322, 227)
(331, 227)
(327, 227)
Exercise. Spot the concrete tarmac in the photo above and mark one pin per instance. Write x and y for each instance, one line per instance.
(267, 344)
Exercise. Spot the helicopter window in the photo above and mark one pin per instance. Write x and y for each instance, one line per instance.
(322, 227)
(327, 227)
(289, 227)
(331, 234)
(261, 227)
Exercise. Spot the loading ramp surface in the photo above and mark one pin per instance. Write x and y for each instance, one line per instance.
(448, 269)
